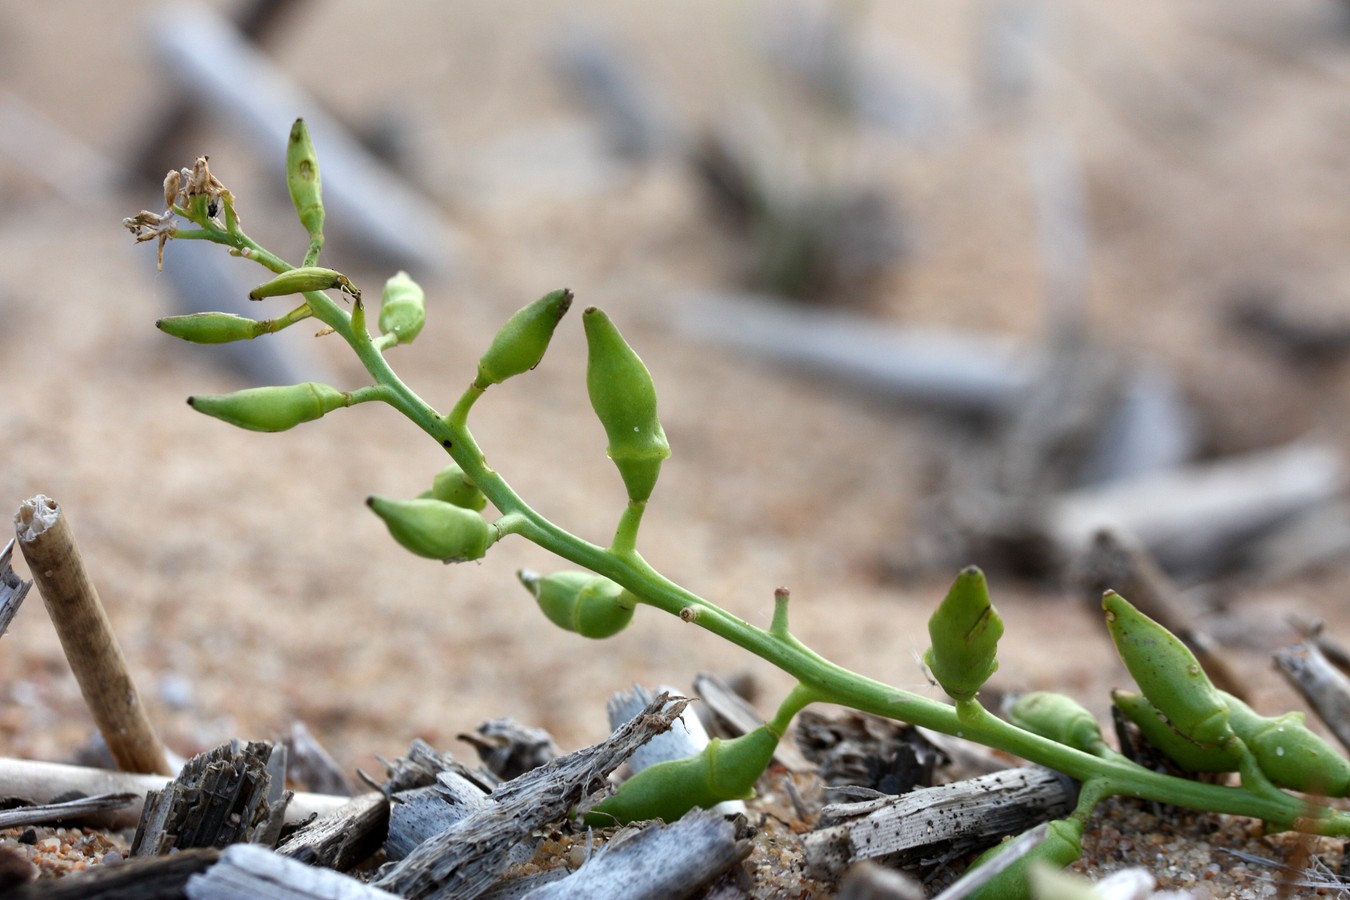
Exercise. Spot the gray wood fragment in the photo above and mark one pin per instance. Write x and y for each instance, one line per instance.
(250, 872)
(12, 588)
(424, 764)
(509, 748)
(929, 822)
(851, 748)
(309, 764)
(344, 838)
(470, 855)
(1325, 687)
(65, 811)
(419, 814)
(658, 862)
(867, 880)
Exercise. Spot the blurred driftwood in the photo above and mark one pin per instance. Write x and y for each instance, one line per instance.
(309, 764)
(1323, 686)
(65, 810)
(866, 880)
(247, 870)
(147, 878)
(12, 588)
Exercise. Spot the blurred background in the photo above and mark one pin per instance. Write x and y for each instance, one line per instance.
(921, 284)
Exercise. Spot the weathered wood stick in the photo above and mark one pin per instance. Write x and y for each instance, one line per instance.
(12, 588)
(42, 782)
(1325, 687)
(48, 544)
(345, 837)
(66, 810)
(247, 870)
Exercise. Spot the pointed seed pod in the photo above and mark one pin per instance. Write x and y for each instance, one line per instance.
(272, 408)
(210, 327)
(624, 399)
(302, 178)
(1168, 674)
(520, 344)
(1186, 752)
(1062, 846)
(589, 605)
(432, 528)
(1290, 754)
(305, 278)
(964, 630)
(403, 308)
(723, 770)
(452, 486)
(1057, 717)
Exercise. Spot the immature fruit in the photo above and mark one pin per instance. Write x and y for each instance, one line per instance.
(451, 485)
(305, 278)
(724, 770)
(1062, 845)
(272, 408)
(1187, 752)
(403, 308)
(302, 179)
(589, 605)
(624, 399)
(1289, 753)
(1057, 717)
(210, 327)
(520, 344)
(432, 528)
(964, 629)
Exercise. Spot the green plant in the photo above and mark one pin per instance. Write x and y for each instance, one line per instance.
(1207, 730)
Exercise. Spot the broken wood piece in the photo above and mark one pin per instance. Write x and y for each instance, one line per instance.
(48, 545)
(420, 814)
(12, 588)
(235, 82)
(147, 878)
(735, 716)
(422, 767)
(929, 822)
(665, 862)
(470, 855)
(344, 838)
(1322, 685)
(859, 749)
(509, 748)
(66, 810)
(224, 796)
(247, 870)
(309, 764)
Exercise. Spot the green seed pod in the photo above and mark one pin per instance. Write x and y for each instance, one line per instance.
(1062, 846)
(302, 178)
(1186, 752)
(964, 630)
(272, 408)
(590, 605)
(1289, 753)
(1058, 718)
(624, 399)
(1168, 674)
(305, 278)
(521, 342)
(724, 770)
(451, 485)
(432, 528)
(210, 327)
(403, 308)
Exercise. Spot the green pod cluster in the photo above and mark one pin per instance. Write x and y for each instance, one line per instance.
(1057, 717)
(433, 528)
(624, 399)
(210, 327)
(590, 605)
(1168, 674)
(964, 631)
(303, 181)
(522, 341)
(1289, 753)
(452, 486)
(1062, 845)
(1187, 752)
(272, 408)
(302, 279)
(403, 308)
(723, 770)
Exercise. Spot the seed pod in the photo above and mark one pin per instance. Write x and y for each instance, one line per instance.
(1168, 674)
(964, 630)
(624, 399)
(302, 178)
(1058, 718)
(1289, 753)
(403, 308)
(723, 770)
(432, 528)
(590, 605)
(521, 342)
(305, 278)
(272, 408)
(210, 327)
(452, 486)
(1186, 752)
(1062, 845)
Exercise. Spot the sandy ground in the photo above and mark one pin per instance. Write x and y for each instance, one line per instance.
(251, 588)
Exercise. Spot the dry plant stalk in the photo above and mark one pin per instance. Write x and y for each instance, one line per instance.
(48, 544)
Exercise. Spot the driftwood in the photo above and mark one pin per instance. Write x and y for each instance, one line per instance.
(470, 855)
(867, 880)
(65, 810)
(509, 749)
(1325, 687)
(853, 749)
(309, 764)
(72, 601)
(344, 838)
(246, 870)
(223, 796)
(419, 814)
(12, 588)
(662, 862)
(937, 822)
(149, 878)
